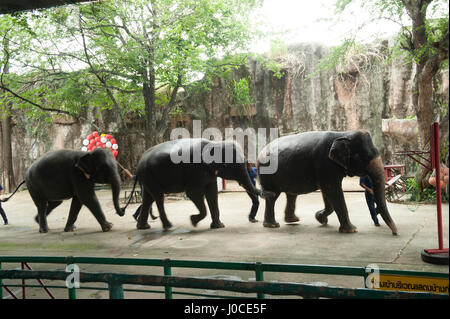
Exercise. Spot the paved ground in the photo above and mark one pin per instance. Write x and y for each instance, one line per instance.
(306, 242)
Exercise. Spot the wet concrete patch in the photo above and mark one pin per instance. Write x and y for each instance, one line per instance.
(190, 243)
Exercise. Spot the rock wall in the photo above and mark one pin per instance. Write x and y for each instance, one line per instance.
(366, 93)
(299, 101)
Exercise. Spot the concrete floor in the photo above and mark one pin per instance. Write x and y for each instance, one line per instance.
(306, 242)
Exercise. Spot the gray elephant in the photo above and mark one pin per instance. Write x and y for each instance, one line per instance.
(320, 160)
(191, 166)
(64, 174)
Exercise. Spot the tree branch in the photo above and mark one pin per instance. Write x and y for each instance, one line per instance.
(94, 71)
(3, 87)
(162, 123)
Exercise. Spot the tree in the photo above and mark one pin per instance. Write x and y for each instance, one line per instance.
(425, 39)
(7, 176)
(138, 50)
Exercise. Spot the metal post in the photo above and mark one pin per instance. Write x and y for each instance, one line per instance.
(259, 275)
(440, 255)
(72, 293)
(167, 272)
(437, 166)
(115, 290)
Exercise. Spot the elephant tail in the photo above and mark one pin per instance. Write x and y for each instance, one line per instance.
(7, 198)
(131, 195)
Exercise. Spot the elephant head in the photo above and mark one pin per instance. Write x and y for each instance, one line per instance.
(357, 155)
(227, 160)
(101, 167)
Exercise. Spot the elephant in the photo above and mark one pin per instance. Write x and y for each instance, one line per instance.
(162, 171)
(64, 174)
(315, 160)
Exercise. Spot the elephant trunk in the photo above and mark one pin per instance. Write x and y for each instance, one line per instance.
(246, 182)
(376, 174)
(115, 187)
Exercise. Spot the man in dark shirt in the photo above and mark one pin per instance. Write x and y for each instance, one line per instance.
(366, 183)
(2, 212)
(252, 172)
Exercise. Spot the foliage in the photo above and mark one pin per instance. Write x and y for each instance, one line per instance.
(240, 95)
(435, 27)
(427, 195)
(119, 54)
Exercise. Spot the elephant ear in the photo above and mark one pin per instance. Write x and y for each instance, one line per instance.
(340, 152)
(86, 164)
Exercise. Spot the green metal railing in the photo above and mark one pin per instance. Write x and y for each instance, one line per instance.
(115, 281)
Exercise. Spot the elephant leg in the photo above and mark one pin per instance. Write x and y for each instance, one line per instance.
(289, 211)
(322, 215)
(42, 216)
(147, 200)
(88, 198)
(269, 213)
(75, 208)
(159, 199)
(50, 207)
(212, 199)
(198, 199)
(336, 196)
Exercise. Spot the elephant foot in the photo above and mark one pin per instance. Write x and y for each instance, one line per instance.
(218, 224)
(273, 224)
(43, 230)
(142, 226)
(107, 227)
(70, 228)
(321, 218)
(167, 225)
(195, 219)
(348, 229)
(291, 219)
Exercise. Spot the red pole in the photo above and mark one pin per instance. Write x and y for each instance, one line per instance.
(437, 166)
(440, 255)
(10, 292)
(41, 283)
(23, 283)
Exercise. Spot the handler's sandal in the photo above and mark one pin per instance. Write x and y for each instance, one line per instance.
(252, 220)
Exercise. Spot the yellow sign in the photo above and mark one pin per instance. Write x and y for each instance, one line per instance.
(413, 283)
